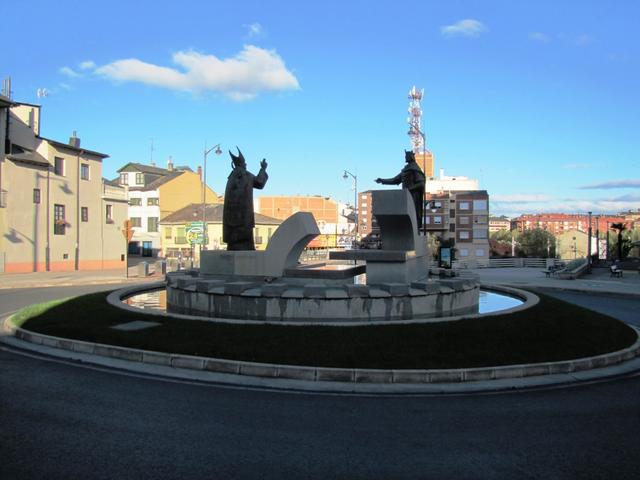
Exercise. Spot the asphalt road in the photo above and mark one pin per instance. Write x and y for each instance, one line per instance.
(62, 420)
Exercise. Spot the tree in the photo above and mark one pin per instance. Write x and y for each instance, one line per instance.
(500, 242)
(619, 228)
(537, 243)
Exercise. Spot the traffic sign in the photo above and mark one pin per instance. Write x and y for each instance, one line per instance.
(195, 232)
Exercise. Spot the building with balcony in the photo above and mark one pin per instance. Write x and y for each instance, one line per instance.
(155, 193)
(499, 223)
(558, 223)
(57, 213)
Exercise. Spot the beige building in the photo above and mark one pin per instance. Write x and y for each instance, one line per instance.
(57, 212)
(154, 193)
(499, 223)
(177, 237)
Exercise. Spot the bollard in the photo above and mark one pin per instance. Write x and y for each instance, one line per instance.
(143, 269)
(161, 267)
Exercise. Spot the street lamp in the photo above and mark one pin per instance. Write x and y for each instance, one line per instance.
(589, 243)
(346, 175)
(217, 151)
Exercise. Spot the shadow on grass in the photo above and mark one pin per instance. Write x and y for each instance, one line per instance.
(553, 330)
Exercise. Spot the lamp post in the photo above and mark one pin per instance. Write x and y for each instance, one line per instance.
(589, 243)
(598, 237)
(204, 192)
(346, 175)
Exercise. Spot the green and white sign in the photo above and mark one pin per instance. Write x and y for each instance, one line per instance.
(196, 233)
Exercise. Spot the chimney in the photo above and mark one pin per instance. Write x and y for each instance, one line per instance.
(170, 164)
(74, 141)
(200, 172)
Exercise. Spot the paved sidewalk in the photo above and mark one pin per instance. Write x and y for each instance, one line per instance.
(63, 279)
(599, 280)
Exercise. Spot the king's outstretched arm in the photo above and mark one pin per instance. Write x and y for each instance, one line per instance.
(397, 180)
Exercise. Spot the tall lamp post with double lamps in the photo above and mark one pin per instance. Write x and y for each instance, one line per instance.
(216, 149)
(346, 175)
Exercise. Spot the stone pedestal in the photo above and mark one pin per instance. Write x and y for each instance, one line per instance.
(404, 255)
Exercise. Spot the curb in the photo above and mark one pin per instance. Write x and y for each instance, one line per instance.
(342, 379)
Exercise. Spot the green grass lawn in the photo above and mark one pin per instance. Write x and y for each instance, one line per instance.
(553, 330)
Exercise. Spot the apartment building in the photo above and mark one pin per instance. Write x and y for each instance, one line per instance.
(57, 213)
(335, 220)
(499, 223)
(154, 193)
(464, 217)
(176, 234)
(558, 223)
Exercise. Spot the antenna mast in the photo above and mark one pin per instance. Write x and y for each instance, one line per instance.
(414, 119)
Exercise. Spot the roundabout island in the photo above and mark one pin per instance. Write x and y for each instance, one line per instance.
(385, 323)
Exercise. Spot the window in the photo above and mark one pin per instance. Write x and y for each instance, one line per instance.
(59, 222)
(480, 232)
(481, 219)
(136, 221)
(84, 214)
(168, 232)
(152, 224)
(480, 252)
(109, 213)
(58, 167)
(452, 227)
(437, 220)
(139, 178)
(437, 204)
(452, 213)
(463, 252)
(464, 234)
(135, 202)
(479, 204)
(84, 171)
(36, 195)
(427, 220)
(463, 220)
(464, 205)
(153, 201)
(181, 237)
(124, 178)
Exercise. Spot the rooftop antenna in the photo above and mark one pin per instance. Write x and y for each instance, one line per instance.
(151, 154)
(6, 87)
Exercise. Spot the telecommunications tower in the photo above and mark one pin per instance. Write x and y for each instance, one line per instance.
(423, 156)
(415, 116)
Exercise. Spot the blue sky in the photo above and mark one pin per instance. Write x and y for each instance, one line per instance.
(538, 100)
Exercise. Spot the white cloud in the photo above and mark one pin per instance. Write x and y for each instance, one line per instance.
(514, 205)
(465, 28)
(69, 72)
(521, 198)
(613, 184)
(242, 77)
(540, 37)
(87, 65)
(254, 30)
